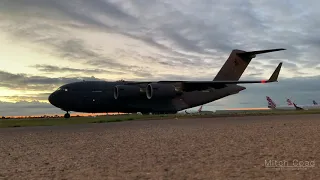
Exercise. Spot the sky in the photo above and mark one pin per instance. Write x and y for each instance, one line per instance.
(47, 43)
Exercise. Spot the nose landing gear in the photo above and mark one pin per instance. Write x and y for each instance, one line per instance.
(67, 115)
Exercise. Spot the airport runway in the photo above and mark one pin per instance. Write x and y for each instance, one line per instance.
(219, 148)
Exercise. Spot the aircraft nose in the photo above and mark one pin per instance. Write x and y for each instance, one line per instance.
(52, 98)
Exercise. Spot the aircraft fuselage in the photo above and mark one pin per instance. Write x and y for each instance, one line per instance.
(98, 97)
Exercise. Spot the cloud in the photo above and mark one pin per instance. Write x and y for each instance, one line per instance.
(56, 69)
(24, 108)
(298, 85)
(29, 82)
(43, 83)
(186, 35)
(302, 90)
(27, 97)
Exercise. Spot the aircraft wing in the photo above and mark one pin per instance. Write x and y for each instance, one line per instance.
(203, 85)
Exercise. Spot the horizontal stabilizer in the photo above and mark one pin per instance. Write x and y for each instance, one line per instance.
(254, 53)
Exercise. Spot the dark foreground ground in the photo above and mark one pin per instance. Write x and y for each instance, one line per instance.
(219, 148)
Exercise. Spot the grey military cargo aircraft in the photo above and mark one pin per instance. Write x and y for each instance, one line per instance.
(158, 97)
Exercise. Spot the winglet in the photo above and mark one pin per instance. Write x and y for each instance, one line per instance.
(275, 74)
(254, 53)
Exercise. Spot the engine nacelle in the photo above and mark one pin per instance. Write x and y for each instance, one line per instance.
(126, 91)
(157, 90)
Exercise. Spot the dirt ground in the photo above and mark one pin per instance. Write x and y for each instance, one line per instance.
(219, 148)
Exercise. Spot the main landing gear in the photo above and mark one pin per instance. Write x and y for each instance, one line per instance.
(67, 115)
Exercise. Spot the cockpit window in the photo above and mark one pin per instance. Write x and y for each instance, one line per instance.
(63, 89)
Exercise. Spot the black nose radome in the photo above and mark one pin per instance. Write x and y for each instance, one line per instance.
(52, 99)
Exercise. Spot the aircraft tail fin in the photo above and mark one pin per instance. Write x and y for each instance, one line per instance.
(289, 102)
(271, 104)
(314, 102)
(237, 62)
(297, 107)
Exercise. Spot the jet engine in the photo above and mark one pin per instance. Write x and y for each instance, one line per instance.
(126, 91)
(157, 90)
